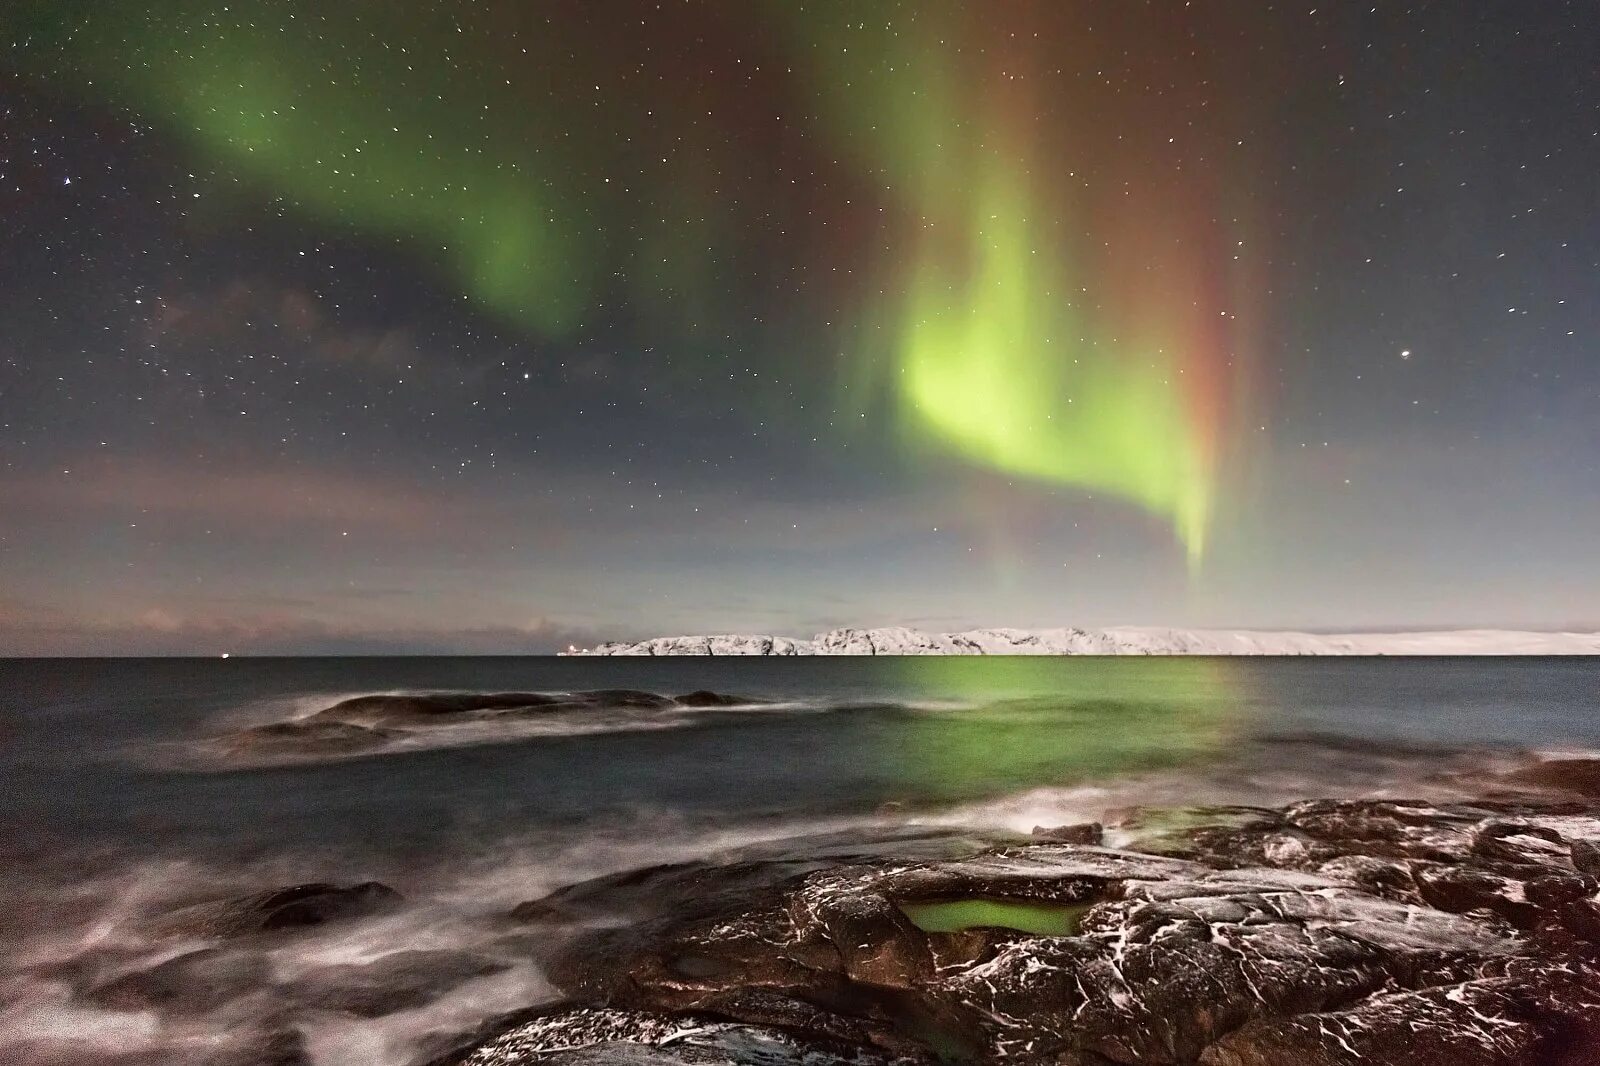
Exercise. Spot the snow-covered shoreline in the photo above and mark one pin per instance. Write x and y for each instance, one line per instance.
(1122, 640)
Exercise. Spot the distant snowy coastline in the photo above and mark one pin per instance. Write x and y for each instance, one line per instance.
(1122, 640)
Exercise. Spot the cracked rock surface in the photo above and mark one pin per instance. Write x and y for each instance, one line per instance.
(1328, 932)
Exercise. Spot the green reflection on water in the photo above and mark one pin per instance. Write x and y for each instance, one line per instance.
(989, 725)
(958, 915)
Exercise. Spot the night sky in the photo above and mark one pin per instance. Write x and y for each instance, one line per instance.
(491, 327)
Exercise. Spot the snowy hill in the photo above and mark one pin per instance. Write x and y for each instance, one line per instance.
(1125, 640)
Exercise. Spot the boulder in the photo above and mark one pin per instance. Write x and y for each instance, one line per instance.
(1081, 833)
(433, 708)
(279, 909)
(704, 698)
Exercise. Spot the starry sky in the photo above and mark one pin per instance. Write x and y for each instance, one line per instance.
(422, 326)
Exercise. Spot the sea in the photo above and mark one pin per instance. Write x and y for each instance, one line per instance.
(117, 803)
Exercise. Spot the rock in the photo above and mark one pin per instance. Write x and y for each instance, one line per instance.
(306, 738)
(394, 982)
(1540, 1017)
(445, 708)
(365, 725)
(1581, 776)
(1327, 932)
(431, 708)
(1082, 833)
(295, 907)
(607, 1037)
(194, 982)
(1586, 857)
(704, 698)
(626, 697)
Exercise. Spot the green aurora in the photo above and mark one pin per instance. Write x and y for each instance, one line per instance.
(499, 175)
(980, 328)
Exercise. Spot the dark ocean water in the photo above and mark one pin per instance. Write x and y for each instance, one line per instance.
(848, 735)
(109, 812)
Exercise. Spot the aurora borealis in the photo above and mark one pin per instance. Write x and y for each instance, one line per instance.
(485, 326)
(996, 347)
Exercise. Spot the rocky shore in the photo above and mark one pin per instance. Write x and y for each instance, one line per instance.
(1324, 932)
(1327, 932)
(375, 724)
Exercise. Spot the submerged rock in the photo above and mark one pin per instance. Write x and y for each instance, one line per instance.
(306, 738)
(705, 698)
(1082, 833)
(376, 724)
(432, 708)
(443, 708)
(395, 982)
(194, 982)
(1328, 932)
(278, 909)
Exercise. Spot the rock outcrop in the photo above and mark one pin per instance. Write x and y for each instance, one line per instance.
(279, 909)
(370, 725)
(1327, 933)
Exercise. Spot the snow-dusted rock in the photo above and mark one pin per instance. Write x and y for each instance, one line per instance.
(1122, 640)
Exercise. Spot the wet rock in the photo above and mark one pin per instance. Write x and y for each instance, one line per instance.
(433, 708)
(306, 738)
(445, 708)
(1586, 857)
(704, 698)
(1327, 932)
(1390, 829)
(368, 725)
(278, 909)
(607, 1037)
(710, 886)
(395, 982)
(1451, 888)
(1542, 1016)
(195, 982)
(626, 697)
(1580, 776)
(1522, 844)
(1081, 833)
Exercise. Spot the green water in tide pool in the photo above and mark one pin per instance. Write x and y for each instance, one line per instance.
(959, 915)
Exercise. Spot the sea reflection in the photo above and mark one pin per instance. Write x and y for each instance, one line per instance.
(982, 726)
